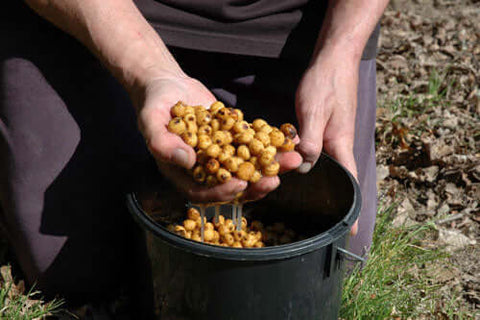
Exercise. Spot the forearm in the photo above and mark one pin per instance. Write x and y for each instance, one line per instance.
(347, 27)
(116, 32)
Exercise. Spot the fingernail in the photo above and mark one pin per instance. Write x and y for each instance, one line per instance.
(304, 167)
(180, 157)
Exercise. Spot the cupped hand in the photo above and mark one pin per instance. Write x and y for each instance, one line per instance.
(326, 102)
(174, 157)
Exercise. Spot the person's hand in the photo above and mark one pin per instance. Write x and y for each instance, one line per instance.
(325, 104)
(174, 156)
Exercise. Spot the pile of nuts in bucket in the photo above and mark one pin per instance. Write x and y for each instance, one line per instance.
(226, 144)
(222, 232)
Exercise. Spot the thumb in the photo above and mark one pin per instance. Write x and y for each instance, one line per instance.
(164, 145)
(311, 142)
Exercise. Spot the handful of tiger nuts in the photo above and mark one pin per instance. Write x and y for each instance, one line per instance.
(226, 144)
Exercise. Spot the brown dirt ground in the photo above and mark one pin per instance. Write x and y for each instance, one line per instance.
(428, 130)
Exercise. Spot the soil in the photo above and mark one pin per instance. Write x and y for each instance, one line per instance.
(428, 129)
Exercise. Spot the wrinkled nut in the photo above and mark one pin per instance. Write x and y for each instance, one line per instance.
(219, 137)
(216, 236)
(178, 110)
(199, 109)
(249, 241)
(222, 113)
(223, 175)
(244, 223)
(212, 166)
(199, 174)
(228, 239)
(229, 136)
(263, 137)
(243, 152)
(254, 161)
(213, 150)
(256, 176)
(287, 145)
(259, 244)
(231, 164)
(190, 118)
(255, 146)
(180, 230)
(196, 237)
(177, 126)
(258, 123)
(239, 235)
(209, 225)
(227, 123)
(217, 105)
(190, 139)
(211, 181)
(205, 129)
(215, 124)
(288, 130)
(276, 138)
(238, 114)
(222, 157)
(193, 214)
(220, 222)
(229, 225)
(192, 127)
(245, 171)
(243, 138)
(266, 158)
(229, 149)
(204, 118)
(270, 149)
(266, 128)
(204, 141)
(272, 169)
(241, 126)
(237, 244)
(202, 157)
(189, 224)
(223, 230)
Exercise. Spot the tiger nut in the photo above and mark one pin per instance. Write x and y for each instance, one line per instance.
(213, 150)
(177, 126)
(214, 107)
(276, 138)
(263, 137)
(227, 123)
(258, 123)
(243, 152)
(287, 146)
(272, 169)
(211, 181)
(241, 126)
(256, 146)
(219, 137)
(190, 138)
(204, 141)
(193, 214)
(199, 174)
(288, 130)
(266, 158)
(205, 129)
(256, 176)
(223, 175)
(245, 171)
(212, 166)
(178, 110)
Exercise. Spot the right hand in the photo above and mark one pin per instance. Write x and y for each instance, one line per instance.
(173, 155)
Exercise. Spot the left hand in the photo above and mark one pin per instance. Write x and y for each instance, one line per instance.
(326, 103)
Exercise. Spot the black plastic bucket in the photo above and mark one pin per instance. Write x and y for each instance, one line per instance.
(301, 280)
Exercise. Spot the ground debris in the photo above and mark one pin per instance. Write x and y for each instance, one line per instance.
(428, 128)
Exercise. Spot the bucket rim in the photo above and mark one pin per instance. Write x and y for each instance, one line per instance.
(284, 251)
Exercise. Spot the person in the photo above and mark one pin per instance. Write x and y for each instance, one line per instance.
(85, 95)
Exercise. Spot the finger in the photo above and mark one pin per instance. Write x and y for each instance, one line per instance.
(199, 193)
(259, 190)
(311, 138)
(164, 145)
(288, 160)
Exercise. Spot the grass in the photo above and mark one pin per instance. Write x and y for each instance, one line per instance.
(16, 305)
(397, 282)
